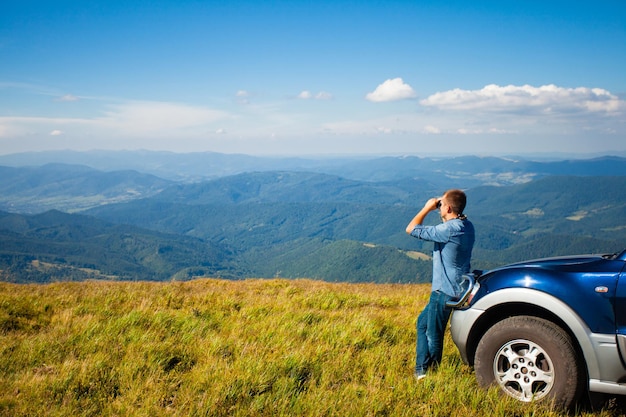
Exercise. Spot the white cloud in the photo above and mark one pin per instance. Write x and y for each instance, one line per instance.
(547, 99)
(307, 95)
(132, 119)
(243, 97)
(323, 95)
(391, 90)
(19, 126)
(68, 97)
(139, 118)
(475, 119)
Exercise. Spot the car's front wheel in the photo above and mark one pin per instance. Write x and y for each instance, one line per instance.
(530, 359)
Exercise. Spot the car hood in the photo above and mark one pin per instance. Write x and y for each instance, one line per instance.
(557, 262)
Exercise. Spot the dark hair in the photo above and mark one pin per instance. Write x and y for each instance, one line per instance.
(456, 199)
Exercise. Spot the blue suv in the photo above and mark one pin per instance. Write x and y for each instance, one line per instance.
(546, 330)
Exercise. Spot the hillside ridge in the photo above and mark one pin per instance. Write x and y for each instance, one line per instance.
(293, 224)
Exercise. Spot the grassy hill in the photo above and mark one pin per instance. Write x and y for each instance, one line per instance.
(229, 348)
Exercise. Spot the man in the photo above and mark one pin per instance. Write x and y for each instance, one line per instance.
(453, 242)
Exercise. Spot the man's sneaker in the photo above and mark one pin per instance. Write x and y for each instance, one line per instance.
(419, 376)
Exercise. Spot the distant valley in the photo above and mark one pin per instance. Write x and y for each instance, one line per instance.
(153, 216)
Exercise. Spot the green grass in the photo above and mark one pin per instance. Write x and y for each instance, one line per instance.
(228, 348)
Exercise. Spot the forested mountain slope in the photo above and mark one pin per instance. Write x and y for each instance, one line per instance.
(55, 246)
(297, 223)
(71, 187)
(552, 216)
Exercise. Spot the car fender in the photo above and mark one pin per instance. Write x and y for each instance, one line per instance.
(592, 345)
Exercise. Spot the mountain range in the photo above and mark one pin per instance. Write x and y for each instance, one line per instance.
(195, 167)
(337, 219)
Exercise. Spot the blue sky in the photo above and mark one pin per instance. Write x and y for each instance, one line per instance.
(315, 77)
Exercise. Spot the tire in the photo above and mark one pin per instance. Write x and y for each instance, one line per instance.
(530, 359)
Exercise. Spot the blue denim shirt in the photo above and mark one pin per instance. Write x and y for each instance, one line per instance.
(454, 241)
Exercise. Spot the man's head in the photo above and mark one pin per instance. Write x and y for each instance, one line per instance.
(456, 200)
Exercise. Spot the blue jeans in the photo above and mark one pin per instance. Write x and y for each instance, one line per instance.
(431, 326)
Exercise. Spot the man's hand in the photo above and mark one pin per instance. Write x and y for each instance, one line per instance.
(432, 204)
(419, 217)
